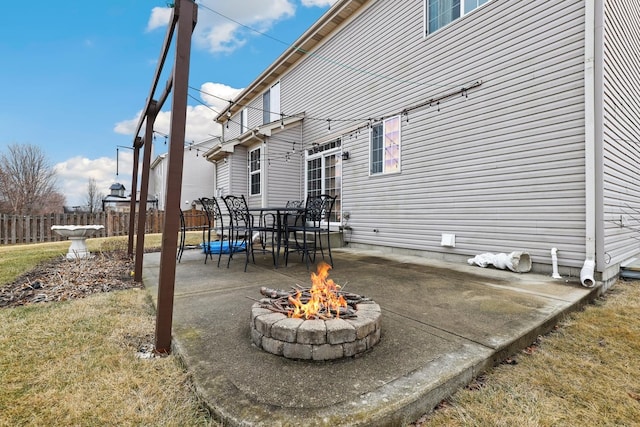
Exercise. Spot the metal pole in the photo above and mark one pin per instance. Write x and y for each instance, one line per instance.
(132, 205)
(187, 16)
(144, 190)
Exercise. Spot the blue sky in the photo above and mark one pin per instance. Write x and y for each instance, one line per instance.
(74, 75)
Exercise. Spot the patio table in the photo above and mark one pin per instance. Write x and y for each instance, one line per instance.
(280, 213)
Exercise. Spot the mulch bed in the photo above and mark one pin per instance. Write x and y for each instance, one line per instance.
(62, 279)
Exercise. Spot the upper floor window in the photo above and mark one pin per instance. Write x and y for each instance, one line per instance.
(385, 146)
(271, 104)
(441, 12)
(254, 172)
(244, 121)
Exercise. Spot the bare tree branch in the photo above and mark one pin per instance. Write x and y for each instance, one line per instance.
(94, 196)
(27, 180)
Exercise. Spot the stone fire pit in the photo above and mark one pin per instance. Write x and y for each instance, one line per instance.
(332, 334)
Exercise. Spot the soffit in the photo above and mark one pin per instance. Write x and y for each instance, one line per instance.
(316, 34)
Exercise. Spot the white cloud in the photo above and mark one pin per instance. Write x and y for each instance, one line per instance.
(200, 124)
(160, 17)
(128, 127)
(221, 25)
(74, 174)
(318, 3)
(223, 37)
(212, 92)
(217, 32)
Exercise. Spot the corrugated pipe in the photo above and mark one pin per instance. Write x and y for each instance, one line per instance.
(586, 274)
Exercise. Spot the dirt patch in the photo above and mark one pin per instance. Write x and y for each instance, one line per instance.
(62, 279)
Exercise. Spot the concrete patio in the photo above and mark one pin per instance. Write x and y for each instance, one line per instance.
(442, 325)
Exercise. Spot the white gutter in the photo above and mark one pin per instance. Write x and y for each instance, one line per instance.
(586, 274)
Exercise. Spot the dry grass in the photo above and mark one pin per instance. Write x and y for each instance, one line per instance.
(17, 259)
(75, 362)
(585, 373)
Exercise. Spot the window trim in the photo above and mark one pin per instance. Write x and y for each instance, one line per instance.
(244, 121)
(322, 151)
(256, 171)
(271, 104)
(266, 106)
(385, 135)
(463, 13)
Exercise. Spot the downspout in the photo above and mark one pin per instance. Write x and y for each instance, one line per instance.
(587, 271)
(554, 263)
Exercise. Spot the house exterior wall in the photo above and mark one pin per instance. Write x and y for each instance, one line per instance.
(157, 183)
(503, 168)
(620, 130)
(222, 178)
(254, 111)
(283, 179)
(233, 176)
(197, 179)
(239, 181)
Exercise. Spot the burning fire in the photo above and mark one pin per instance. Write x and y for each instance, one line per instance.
(322, 301)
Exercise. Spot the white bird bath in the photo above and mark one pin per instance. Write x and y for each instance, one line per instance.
(78, 235)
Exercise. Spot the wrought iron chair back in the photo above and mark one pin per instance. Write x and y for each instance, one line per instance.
(191, 220)
(183, 232)
(311, 228)
(215, 221)
(243, 227)
(319, 208)
(238, 212)
(292, 218)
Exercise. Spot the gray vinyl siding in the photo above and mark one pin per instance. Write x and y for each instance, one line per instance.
(232, 128)
(254, 119)
(223, 186)
(254, 110)
(239, 179)
(621, 130)
(284, 174)
(502, 169)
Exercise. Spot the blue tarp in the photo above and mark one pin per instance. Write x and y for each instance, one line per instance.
(215, 247)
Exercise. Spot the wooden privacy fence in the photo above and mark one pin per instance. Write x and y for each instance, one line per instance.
(20, 229)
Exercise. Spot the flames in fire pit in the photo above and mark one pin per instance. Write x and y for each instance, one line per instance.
(323, 300)
(322, 322)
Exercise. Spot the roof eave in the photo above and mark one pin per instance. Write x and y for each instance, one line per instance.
(316, 34)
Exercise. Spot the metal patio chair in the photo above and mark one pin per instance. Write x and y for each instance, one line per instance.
(309, 230)
(190, 221)
(244, 228)
(215, 222)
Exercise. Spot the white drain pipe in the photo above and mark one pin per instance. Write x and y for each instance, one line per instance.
(586, 274)
(554, 261)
